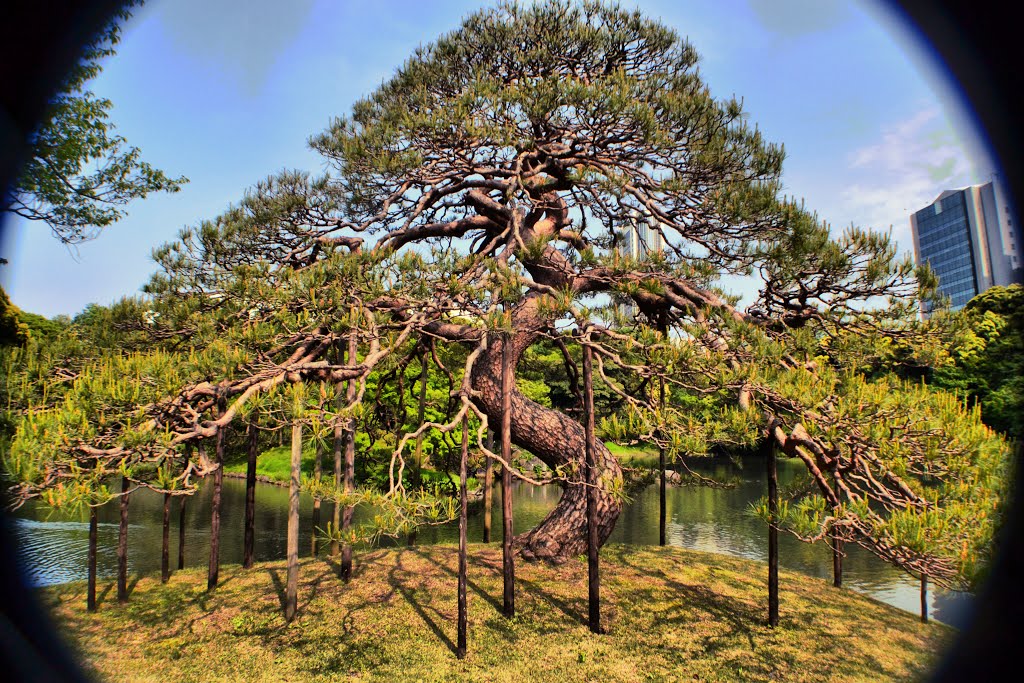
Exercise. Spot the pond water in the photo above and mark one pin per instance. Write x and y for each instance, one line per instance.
(53, 548)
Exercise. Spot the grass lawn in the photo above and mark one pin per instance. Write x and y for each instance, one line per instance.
(644, 456)
(671, 614)
(276, 465)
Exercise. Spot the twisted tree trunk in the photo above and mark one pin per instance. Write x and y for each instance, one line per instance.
(557, 441)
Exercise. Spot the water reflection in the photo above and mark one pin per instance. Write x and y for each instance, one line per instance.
(53, 548)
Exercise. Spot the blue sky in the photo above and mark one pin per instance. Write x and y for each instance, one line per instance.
(227, 93)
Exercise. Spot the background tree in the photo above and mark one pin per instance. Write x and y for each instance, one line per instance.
(987, 358)
(80, 174)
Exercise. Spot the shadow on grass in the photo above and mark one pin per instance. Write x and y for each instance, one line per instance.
(130, 587)
(409, 594)
(742, 621)
(577, 613)
(488, 598)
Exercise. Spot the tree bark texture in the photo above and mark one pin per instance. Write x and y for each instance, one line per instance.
(488, 487)
(90, 599)
(350, 462)
(593, 543)
(460, 649)
(292, 585)
(557, 441)
(508, 566)
(213, 575)
(250, 496)
(773, 537)
(165, 551)
(122, 545)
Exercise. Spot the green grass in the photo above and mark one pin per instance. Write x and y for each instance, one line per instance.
(276, 464)
(634, 456)
(671, 614)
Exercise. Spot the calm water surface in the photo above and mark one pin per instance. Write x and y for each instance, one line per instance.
(53, 548)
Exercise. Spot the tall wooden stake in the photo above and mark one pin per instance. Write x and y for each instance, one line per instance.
(924, 598)
(181, 531)
(318, 472)
(213, 574)
(420, 416)
(165, 552)
(460, 650)
(488, 487)
(181, 515)
(350, 462)
(122, 545)
(662, 465)
(339, 451)
(291, 599)
(662, 506)
(249, 547)
(837, 548)
(593, 566)
(773, 537)
(90, 600)
(507, 561)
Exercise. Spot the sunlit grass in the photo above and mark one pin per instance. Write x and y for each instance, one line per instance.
(671, 614)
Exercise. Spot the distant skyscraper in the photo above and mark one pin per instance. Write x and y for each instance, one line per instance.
(640, 239)
(969, 238)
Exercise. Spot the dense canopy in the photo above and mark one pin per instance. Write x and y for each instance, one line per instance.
(488, 199)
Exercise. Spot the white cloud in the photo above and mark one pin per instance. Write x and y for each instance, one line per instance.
(911, 163)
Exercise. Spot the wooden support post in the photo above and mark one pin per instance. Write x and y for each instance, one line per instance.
(663, 484)
(837, 543)
(165, 550)
(773, 536)
(924, 598)
(460, 649)
(318, 472)
(339, 452)
(181, 515)
(249, 547)
(593, 542)
(350, 461)
(291, 599)
(90, 600)
(181, 531)
(420, 417)
(122, 545)
(213, 575)
(507, 560)
(488, 487)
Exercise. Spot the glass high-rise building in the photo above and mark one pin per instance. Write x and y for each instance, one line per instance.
(638, 240)
(969, 239)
